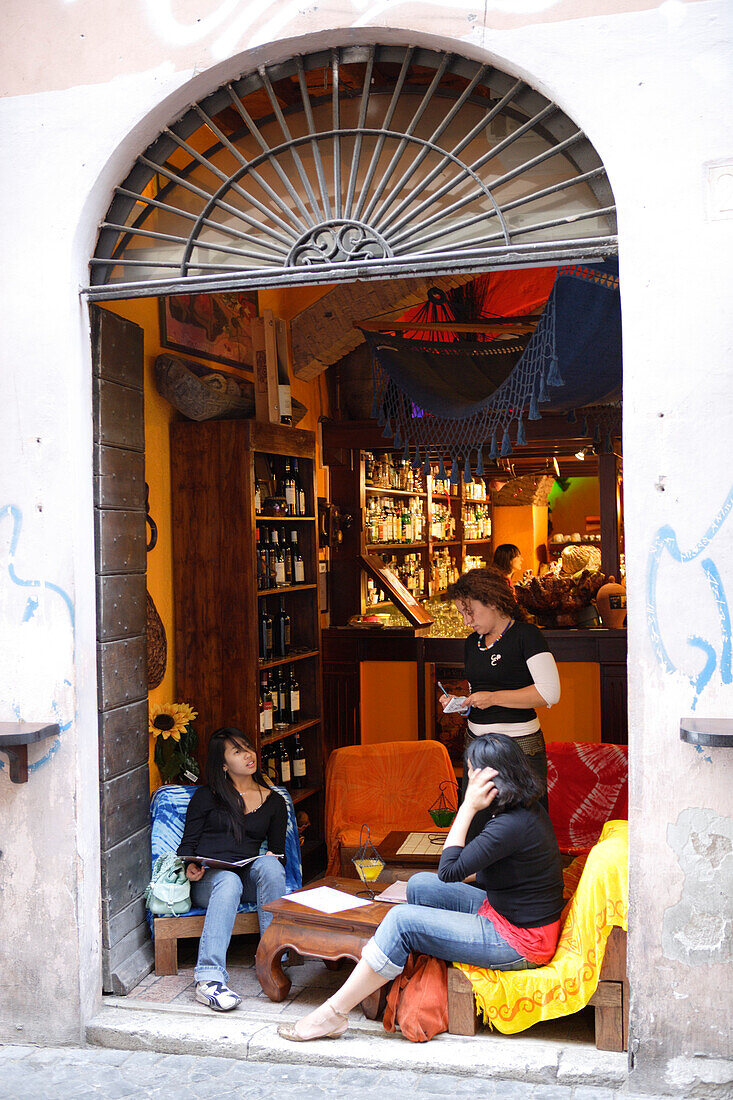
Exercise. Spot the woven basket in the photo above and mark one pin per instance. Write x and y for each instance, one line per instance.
(157, 645)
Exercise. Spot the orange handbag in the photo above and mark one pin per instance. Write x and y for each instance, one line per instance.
(418, 999)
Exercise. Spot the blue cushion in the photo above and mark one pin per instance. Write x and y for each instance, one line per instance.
(168, 816)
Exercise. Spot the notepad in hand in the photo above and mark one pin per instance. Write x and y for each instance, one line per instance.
(456, 705)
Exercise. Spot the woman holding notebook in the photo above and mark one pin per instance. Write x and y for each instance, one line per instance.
(227, 821)
(509, 919)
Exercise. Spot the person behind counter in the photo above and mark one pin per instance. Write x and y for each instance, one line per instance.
(228, 820)
(508, 920)
(508, 560)
(508, 665)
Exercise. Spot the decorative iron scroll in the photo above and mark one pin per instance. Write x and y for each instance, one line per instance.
(335, 241)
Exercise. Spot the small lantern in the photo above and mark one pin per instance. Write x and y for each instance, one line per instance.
(368, 863)
(445, 807)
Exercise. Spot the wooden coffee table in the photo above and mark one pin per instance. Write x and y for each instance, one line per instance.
(327, 936)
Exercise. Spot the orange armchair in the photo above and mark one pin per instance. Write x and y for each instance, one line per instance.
(387, 787)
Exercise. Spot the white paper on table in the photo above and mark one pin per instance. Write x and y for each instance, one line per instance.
(324, 899)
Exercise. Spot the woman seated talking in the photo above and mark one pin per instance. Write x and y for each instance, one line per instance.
(508, 665)
(508, 920)
(228, 820)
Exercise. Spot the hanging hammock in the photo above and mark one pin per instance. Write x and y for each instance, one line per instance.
(455, 398)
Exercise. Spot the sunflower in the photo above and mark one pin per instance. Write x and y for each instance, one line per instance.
(170, 719)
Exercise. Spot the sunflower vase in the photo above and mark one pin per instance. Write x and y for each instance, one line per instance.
(171, 724)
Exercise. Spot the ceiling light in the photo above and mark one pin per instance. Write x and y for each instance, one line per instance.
(555, 465)
(585, 452)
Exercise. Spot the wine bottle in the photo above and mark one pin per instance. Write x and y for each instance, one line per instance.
(285, 769)
(294, 688)
(283, 701)
(299, 768)
(274, 764)
(279, 559)
(265, 633)
(289, 490)
(299, 490)
(298, 563)
(274, 695)
(281, 631)
(267, 707)
(288, 555)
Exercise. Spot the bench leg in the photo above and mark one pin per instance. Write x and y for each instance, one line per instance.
(462, 1019)
(166, 956)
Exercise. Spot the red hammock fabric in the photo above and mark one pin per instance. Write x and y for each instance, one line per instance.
(587, 785)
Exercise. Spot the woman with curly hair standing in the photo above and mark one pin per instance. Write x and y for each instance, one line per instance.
(508, 665)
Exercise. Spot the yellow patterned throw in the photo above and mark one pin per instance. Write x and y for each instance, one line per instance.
(514, 1000)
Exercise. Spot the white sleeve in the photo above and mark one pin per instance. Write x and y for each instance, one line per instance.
(543, 671)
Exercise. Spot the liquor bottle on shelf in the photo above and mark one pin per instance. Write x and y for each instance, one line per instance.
(272, 688)
(266, 707)
(268, 552)
(258, 497)
(283, 700)
(261, 560)
(288, 555)
(281, 631)
(285, 768)
(273, 771)
(279, 560)
(299, 766)
(299, 491)
(265, 634)
(289, 490)
(294, 692)
(298, 563)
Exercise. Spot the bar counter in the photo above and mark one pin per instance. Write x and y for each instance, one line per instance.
(344, 648)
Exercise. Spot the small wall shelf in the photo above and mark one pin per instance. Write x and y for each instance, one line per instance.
(15, 737)
(710, 732)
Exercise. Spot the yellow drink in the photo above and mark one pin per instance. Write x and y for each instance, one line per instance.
(369, 870)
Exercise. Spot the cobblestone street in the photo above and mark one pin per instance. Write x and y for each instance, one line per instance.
(43, 1073)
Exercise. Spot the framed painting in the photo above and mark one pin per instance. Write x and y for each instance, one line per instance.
(211, 326)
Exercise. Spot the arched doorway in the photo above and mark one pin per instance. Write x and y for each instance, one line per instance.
(367, 162)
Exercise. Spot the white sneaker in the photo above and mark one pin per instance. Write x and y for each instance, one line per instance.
(217, 996)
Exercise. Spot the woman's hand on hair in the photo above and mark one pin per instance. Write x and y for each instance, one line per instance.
(195, 872)
(481, 792)
(480, 699)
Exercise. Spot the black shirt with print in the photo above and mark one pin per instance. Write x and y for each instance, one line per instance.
(503, 667)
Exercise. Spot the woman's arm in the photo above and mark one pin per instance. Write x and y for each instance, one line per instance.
(278, 826)
(543, 692)
(196, 815)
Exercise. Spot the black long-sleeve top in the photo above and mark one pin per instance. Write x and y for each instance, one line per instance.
(517, 862)
(208, 831)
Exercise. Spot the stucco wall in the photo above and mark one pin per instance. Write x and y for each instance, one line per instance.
(87, 91)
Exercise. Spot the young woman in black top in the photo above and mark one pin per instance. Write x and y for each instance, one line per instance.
(508, 920)
(229, 820)
(508, 665)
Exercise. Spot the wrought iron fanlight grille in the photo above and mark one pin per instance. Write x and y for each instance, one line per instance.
(371, 157)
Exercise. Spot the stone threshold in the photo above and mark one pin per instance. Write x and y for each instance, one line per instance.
(125, 1024)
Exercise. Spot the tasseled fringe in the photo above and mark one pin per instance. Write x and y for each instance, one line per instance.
(506, 444)
(387, 429)
(406, 452)
(543, 396)
(480, 464)
(521, 437)
(554, 378)
(442, 475)
(455, 473)
(417, 461)
(467, 475)
(397, 438)
(534, 408)
(380, 416)
(597, 435)
(426, 467)
(493, 450)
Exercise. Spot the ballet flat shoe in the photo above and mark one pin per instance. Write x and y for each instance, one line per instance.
(287, 1031)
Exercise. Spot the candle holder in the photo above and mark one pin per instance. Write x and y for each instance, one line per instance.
(368, 863)
(445, 807)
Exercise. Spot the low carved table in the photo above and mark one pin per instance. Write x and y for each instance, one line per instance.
(327, 936)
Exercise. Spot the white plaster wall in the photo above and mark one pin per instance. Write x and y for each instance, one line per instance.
(648, 84)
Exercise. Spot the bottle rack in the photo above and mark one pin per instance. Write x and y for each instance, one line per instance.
(448, 512)
(218, 470)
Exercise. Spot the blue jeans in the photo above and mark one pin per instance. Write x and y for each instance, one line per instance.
(440, 919)
(220, 893)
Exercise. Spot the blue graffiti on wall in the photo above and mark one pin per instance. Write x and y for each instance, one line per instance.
(666, 540)
(31, 606)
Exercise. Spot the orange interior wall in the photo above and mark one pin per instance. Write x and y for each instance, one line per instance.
(388, 701)
(525, 526)
(577, 717)
(582, 498)
(158, 416)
